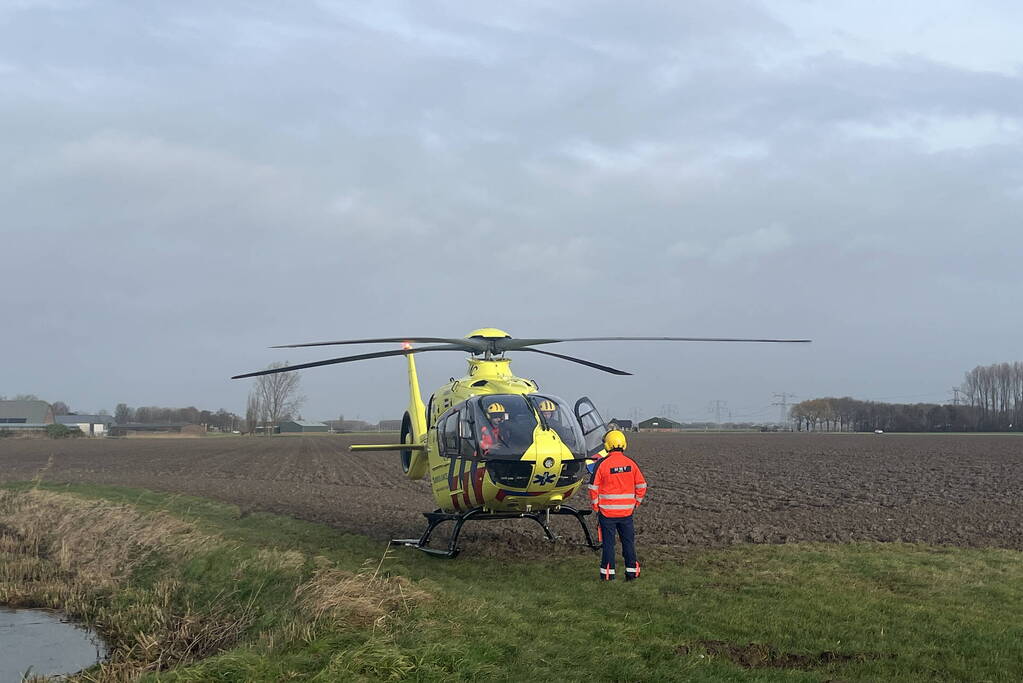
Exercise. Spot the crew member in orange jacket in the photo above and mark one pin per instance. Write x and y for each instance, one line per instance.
(491, 434)
(617, 488)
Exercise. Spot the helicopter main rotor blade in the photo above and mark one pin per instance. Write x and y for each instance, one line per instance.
(598, 366)
(502, 344)
(466, 344)
(516, 344)
(348, 359)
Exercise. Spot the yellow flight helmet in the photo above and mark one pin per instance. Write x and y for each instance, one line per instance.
(547, 406)
(496, 407)
(614, 441)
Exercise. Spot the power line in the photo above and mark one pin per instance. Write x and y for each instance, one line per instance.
(716, 406)
(784, 403)
(751, 412)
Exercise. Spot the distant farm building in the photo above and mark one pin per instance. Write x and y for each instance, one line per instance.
(623, 425)
(296, 426)
(25, 415)
(343, 426)
(89, 425)
(659, 424)
(267, 429)
(349, 426)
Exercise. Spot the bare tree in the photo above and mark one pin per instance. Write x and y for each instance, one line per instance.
(278, 395)
(253, 412)
(60, 408)
(123, 414)
(996, 392)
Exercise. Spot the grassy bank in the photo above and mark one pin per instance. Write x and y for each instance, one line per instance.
(187, 589)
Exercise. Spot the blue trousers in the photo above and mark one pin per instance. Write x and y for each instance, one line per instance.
(624, 528)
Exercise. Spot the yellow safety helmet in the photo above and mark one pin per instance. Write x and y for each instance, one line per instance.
(614, 441)
(548, 406)
(496, 408)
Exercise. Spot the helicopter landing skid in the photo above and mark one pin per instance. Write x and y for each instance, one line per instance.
(437, 517)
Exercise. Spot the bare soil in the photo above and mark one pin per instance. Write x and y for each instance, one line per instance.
(705, 489)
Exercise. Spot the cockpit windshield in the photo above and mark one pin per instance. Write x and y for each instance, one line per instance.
(556, 415)
(505, 423)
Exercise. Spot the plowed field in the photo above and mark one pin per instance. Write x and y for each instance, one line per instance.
(712, 489)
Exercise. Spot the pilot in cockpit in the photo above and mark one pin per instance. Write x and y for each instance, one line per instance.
(492, 434)
(552, 417)
(549, 411)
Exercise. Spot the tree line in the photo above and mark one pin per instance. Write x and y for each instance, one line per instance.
(221, 419)
(996, 392)
(848, 414)
(273, 398)
(992, 400)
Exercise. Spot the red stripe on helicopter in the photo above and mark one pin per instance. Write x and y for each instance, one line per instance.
(470, 481)
(454, 502)
(451, 474)
(466, 488)
(458, 480)
(480, 472)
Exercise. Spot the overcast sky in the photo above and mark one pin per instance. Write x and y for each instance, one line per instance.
(184, 184)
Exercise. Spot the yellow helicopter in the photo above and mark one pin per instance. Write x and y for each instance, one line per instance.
(493, 445)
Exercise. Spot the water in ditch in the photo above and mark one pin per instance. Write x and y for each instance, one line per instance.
(44, 643)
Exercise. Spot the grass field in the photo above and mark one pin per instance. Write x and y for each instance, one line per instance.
(217, 594)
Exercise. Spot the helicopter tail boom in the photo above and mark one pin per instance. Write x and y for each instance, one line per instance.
(389, 447)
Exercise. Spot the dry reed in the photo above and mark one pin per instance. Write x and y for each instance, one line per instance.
(62, 551)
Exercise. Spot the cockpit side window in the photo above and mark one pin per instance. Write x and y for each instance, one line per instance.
(466, 438)
(447, 428)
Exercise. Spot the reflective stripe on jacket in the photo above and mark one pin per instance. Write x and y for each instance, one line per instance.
(617, 485)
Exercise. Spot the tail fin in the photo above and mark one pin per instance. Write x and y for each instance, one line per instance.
(416, 409)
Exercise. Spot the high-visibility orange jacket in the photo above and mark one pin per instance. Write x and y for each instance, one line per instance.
(617, 485)
(490, 436)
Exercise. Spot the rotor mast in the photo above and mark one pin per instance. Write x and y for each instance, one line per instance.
(489, 335)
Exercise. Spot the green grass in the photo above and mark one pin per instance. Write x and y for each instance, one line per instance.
(862, 612)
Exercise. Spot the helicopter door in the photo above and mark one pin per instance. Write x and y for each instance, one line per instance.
(592, 425)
